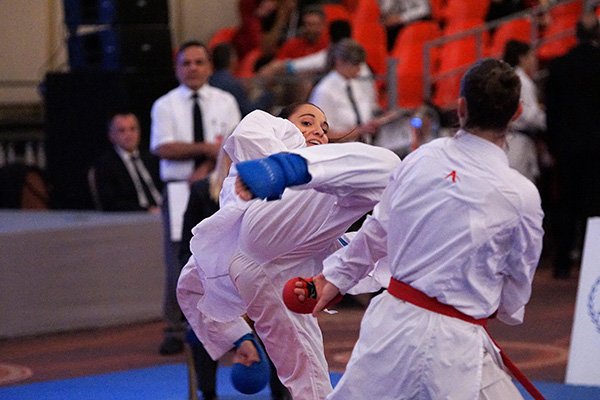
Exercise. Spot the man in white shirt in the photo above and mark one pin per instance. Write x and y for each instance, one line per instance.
(188, 125)
(462, 232)
(520, 145)
(347, 94)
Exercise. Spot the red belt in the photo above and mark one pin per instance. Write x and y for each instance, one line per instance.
(414, 296)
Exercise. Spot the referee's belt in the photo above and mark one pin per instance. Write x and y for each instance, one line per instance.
(414, 296)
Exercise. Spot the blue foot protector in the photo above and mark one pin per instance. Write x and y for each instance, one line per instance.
(252, 379)
(268, 177)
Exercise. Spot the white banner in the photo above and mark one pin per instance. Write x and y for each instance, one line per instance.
(584, 357)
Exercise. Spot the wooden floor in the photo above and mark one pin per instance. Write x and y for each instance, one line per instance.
(539, 346)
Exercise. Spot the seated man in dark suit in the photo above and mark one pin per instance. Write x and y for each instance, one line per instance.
(126, 178)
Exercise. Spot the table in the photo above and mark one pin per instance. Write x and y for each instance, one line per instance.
(66, 270)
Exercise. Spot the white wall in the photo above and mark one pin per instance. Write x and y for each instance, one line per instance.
(33, 39)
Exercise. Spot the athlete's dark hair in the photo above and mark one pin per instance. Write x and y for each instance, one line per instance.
(492, 91)
(291, 108)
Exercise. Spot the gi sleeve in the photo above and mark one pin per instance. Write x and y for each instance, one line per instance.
(259, 135)
(522, 262)
(347, 266)
(217, 337)
(351, 171)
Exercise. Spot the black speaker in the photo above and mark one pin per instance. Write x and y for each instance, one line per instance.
(144, 48)
(94, 51)
(131, 48)
(112, 12)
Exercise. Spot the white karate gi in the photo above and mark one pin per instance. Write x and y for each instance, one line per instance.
(461, 226)
(246, 252)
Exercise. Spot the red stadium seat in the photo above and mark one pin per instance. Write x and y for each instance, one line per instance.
(517, 29)
(246, 66)
(453, 56)
(557, 47)
(368, 31)
(223, 35)
(334, 12)
(569, 11)
(465, 9)
(408, 48)
(437, 9)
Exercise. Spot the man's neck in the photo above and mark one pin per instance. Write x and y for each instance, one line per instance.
(496, 137)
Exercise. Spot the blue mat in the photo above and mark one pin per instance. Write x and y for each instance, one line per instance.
(169, 382)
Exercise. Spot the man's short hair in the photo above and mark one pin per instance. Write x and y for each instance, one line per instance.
(349, 51)
(314, 9)
(191, 43)
(492, 90)
(119, 113)
(222, 55)
(513, 50)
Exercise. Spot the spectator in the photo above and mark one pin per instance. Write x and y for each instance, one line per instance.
(572, 96)
(225, 63)
(126, 178)
(520, 142)
(316, 63)
(188, 125)
(264, 24)
(347, 95)
(313, 36)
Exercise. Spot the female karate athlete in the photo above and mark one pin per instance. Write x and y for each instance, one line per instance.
(244, 253)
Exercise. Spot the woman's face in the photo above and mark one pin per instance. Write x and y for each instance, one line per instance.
(312, 123)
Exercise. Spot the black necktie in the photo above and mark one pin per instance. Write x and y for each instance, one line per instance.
(198, 128)
(145, 187)
(353, 102)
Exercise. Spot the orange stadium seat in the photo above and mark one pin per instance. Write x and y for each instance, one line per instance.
(557, 47)
(465, 9)
(223, 35)
(368, 31)
(408, 48)
(569, 11)
(454, 55)
(517, 29)
(246, 65)
(437, 9)
(334, 12)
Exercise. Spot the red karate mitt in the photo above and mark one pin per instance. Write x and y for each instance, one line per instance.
(291, 299)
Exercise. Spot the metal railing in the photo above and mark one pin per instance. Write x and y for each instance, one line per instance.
(431, 76)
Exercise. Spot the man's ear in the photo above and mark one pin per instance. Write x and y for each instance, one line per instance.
(462, 109)
(517, 113)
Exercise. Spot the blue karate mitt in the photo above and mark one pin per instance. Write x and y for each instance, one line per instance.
(268, 177)
(252, 379)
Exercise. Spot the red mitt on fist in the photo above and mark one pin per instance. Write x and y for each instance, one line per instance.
(291, 299)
